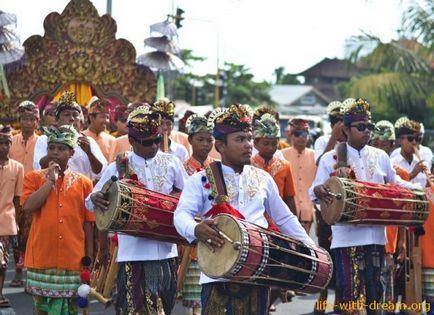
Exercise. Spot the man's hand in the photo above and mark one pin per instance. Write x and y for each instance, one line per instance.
(100, 201)
(53, 171)
(419, 167)
(206, 234)
(84, 144)
(322, 192)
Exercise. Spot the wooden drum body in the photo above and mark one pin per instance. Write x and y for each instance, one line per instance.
(262, 257)
(359, 202)
(137, 211)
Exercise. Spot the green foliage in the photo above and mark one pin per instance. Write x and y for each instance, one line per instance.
(284, 78)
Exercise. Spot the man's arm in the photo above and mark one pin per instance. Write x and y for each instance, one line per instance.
(96, 158)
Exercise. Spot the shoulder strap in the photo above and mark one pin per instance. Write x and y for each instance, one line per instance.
(122, 164)
(214, 173)
(341, 155)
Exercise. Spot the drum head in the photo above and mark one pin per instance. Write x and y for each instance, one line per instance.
(223, 260)
(332, 213)
(104, 219)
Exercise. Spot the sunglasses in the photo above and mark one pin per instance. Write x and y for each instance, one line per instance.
(148, 143)
(412, 138)
(300, 133)
(363, 127)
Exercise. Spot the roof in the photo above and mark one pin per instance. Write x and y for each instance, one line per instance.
(332, 68)
(288, 94)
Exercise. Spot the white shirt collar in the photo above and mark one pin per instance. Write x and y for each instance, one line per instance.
(354, 151)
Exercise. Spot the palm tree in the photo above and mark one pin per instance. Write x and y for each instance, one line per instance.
(397, 76)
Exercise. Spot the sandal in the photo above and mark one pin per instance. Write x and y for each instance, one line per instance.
(16, 283)
(4, 302)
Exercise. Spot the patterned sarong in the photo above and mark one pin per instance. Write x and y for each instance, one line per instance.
(358, 271)
(191, 290)
(146, 287)
(54, 291)
(225, 298)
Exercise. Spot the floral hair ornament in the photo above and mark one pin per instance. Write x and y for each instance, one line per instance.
(298, 124)
(357, 110)
(165, 107)
(98, 106)
(196, 123)
(383, 131)
(406, 126)
(67, 101)
(236, 118)
(143, 122)
(28, 108)
(261, 110)
(266, 127)
(64, 134)
(334, 109)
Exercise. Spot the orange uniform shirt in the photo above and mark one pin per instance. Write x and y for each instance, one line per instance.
(11, 185)
(104, 140)
(23, 151)
(56, 238)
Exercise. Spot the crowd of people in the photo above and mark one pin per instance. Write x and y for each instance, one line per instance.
(55, 165)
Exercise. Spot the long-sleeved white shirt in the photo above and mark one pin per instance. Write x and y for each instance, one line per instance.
(425, 154)
(401, 161)
(371, 165)
(79, 162)
(161, 174)
(252, 193)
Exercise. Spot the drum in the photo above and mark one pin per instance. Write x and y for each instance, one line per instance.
(368, 203)
(137, 211)
(258, 256)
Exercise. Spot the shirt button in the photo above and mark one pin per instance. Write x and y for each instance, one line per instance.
(60, 221)
(60, 237)
(60, 205)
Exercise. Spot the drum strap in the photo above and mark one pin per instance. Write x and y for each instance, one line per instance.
(341, 155)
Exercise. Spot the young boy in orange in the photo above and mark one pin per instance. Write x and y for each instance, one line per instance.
(11, 185)
(62, 228)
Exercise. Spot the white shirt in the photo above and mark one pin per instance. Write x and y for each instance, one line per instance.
(278, 154)
(371, 165)
(252, 193)
(178, 150)
(401, 161)
(79, 162)
(159, 174)
(320, 145)
(425, 154)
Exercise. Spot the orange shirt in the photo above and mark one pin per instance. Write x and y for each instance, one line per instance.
(103, 139)
(23, 151)
(281, 172)
(120, 144)
(11, 185)
(56, 237)
(304, 170)
(427, 240)
(192, 165)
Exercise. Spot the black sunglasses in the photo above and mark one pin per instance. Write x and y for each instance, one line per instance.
(412, 138)
(148, 143)
(363, 127)
(300, 133)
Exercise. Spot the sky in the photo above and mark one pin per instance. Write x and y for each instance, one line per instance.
(262, 35)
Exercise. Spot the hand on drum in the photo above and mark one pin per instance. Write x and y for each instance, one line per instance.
(323, 193)
(209, 236)
(100, 200)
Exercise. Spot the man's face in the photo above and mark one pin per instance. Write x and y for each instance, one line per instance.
(99, 121)
(299, 138)
(68, 117)
(5, 145)
(359, 132)
(201, 143)
(166, 126)
(146, 148)
(266, 146)
(410, 142)
(121, 125)
(28, 122)
(238, 147)
(59, 153)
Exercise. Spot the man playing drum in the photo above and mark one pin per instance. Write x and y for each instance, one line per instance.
(358, 249)
(146, 279)
(252, 192)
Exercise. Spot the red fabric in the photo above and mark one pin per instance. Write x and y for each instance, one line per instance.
(224, 208)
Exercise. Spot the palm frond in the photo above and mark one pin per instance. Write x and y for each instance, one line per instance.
(418, 20)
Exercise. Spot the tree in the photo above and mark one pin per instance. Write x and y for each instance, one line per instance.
(397, 77)
(284, 78)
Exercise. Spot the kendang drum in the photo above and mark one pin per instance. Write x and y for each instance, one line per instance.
(137, 211)
(360, 202)
(255, 255)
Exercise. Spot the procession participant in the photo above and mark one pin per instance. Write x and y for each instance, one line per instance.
(49, 114)
(88, 158)
(98, 118)
(326, 143)
(11, 185)
(122, 143)
(252, 192)
(303, 166)
(177, 141)
(22, 150)
(266, 131)
(146, 279)
(261, 110)
(358, 249)
(62, 228)
(201, 141)
(120, 117)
